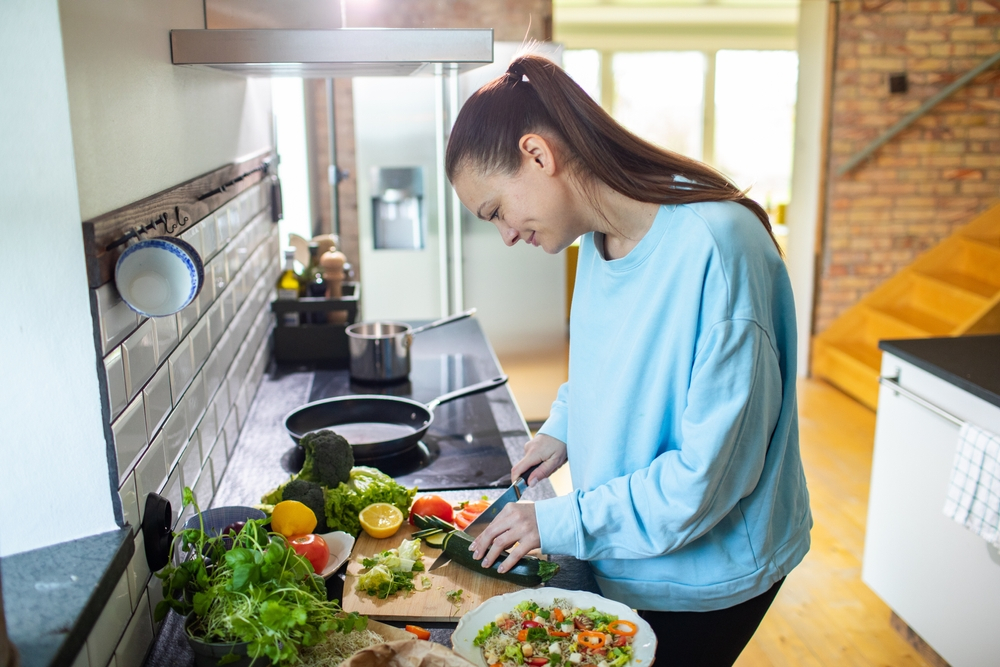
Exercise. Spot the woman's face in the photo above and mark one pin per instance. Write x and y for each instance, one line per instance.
(538, 205)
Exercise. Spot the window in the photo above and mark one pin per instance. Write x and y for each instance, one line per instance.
(661, 96)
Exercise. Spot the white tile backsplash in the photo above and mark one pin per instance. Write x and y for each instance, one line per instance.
(139, 355)
(110, 625)
(181, 370)
(172, 492)
(156, 396)
(193, 236)
(187, 317)
(208, 429)
(154, 593)
(232, 430)
(219, 273)
(130, 501)
(166, 336)
(219, 458)
(222, 225)
(137, 571)
(201, 343)
(117, 320)
(150, 472)
(209, 237)
(114, 370)
(195, 403)
(175, 435)
(190, 463)
(138, 637)
(129, 432)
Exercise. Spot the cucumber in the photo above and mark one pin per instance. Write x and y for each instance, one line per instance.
(435, 540)
(529, 571)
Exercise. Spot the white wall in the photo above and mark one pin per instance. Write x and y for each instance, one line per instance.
(54, 482)
(93, 116)
(803, 209)
(141, 124)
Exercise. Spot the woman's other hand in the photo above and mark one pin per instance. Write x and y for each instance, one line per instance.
(542, 450)
(513, 528)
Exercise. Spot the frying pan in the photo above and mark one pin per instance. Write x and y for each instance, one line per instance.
(376, 425)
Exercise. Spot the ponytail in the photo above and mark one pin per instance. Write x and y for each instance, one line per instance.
(536, 96)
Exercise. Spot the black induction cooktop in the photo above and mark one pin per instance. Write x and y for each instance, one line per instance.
(463, 449)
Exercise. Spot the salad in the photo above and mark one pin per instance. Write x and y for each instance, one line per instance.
(559, 635)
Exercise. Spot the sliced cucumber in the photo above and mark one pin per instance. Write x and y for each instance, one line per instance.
(436, 539)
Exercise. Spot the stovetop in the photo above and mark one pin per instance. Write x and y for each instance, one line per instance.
(463, 448)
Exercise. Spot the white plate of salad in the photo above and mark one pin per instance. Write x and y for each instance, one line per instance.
(554, 627)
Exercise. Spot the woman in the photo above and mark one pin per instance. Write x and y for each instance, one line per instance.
(679, 417)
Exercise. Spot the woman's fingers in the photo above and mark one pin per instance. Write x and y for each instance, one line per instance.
(544, 450)
(514, 528)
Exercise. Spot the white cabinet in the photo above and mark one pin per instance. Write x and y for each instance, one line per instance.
(940, 578)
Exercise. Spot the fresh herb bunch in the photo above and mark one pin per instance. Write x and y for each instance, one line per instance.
(250, 587)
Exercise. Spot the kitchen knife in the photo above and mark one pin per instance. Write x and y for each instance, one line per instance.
(511, 495)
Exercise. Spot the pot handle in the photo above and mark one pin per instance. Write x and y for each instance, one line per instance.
(477, 388)
(444, 320)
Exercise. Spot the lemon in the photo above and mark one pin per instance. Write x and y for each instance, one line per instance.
(381, 520)
(291, 518)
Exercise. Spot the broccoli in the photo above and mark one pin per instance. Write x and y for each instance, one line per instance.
(329, 459)
(311, 495)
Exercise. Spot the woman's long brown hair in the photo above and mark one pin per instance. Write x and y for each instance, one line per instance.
(536, 96)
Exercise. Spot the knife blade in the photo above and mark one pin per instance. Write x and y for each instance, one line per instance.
(511, 495)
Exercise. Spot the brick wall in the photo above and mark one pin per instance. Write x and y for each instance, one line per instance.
(933, 177)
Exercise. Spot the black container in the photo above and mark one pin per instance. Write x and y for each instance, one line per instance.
(316, 343)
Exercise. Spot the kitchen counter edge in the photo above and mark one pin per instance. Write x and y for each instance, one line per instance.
(971, 363)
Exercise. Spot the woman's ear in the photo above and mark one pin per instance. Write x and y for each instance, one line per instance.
(537, 151)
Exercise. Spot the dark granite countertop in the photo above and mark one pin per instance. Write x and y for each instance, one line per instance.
(257, 464)
(971, 363)
(53, 596)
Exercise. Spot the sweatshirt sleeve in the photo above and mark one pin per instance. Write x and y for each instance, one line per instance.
(732, 406)
(557, 423)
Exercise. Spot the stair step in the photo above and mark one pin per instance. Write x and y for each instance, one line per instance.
(896, 327)
(856, 376)
(964, 282)
(956, 291)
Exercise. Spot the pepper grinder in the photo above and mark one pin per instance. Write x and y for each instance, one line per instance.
(332, 263)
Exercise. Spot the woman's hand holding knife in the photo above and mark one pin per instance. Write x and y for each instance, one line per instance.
(515, 527)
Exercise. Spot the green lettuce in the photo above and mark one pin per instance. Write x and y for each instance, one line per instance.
(367, 486)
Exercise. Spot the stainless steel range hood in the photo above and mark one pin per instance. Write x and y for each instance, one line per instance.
(305, 38)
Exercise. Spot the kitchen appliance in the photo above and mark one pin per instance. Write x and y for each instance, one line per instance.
(462, 449)
(376, 426)
(380, 351)
(397, 208)
(309, 38)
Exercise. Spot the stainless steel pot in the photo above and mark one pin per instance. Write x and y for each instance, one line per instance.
(380, 351)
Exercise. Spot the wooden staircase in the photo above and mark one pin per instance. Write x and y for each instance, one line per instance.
(952, 289)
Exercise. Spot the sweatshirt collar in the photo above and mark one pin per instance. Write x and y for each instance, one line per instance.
(643, 248)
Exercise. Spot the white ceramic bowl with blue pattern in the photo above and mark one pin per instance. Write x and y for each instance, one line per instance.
(160, 276)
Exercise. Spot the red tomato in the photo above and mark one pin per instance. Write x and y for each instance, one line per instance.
(432, 506)
(314, 548)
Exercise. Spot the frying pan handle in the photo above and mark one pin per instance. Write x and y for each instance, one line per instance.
(444, 320)
(477, 388)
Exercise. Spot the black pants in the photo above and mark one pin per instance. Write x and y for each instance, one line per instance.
(707, 638)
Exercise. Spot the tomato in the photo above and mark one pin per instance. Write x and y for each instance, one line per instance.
(314, 548)
(432, 506)
(538, 662)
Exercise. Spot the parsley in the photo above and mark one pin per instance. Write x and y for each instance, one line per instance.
(272, 591)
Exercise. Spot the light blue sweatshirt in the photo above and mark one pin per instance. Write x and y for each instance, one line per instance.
(680, 417)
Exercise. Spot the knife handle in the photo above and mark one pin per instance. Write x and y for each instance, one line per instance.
(522, 482)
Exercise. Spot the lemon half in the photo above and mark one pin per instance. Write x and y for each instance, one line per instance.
(381, 520)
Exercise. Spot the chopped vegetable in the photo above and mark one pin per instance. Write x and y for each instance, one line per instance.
(623, 628)
(418, 631)
(388, 573)
(591, 639)
(455, 597)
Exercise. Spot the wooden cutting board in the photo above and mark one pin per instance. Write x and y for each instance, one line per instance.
(420, 605)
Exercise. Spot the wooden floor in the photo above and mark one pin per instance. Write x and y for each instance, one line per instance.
(824, 614)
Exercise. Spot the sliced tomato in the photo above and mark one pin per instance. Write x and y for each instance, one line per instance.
(463, 521)
(537, 661)
(432, 506)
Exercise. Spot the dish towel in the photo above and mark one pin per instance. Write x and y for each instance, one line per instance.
(974, 493)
